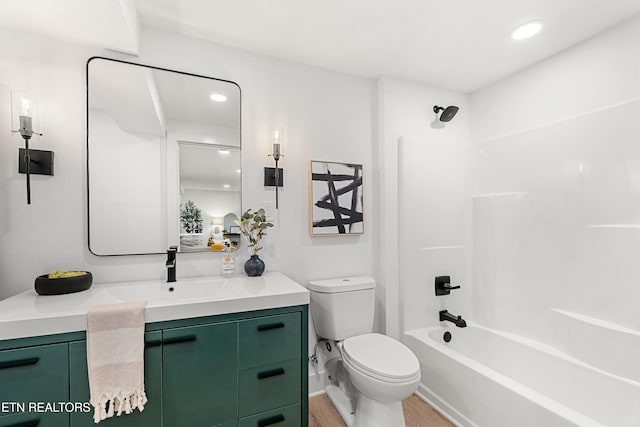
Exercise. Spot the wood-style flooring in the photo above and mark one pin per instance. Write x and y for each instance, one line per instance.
(417, 413)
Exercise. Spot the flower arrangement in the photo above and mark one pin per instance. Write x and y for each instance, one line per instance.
(253, 226)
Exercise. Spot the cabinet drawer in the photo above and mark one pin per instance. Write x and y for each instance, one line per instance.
(35, 374)
(269, 339)
(79, 386)
(269, 386)
(282, 417)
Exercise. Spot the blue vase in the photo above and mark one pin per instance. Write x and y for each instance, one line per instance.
(254, 266)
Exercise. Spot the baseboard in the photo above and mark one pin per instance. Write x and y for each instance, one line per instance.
(316, 383)
(317, 393)
(448, 411)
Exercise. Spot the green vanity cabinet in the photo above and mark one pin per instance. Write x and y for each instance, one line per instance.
(244, 369)
(30, 376)
(199, 374)
(32, 420)
(79, 386)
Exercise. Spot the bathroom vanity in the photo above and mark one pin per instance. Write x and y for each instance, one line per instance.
(218, 353)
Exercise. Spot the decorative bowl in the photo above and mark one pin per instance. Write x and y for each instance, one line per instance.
(64, 285)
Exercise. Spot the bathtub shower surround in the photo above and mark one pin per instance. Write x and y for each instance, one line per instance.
(543, 222)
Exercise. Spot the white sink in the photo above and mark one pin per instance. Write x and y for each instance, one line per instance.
(182, 290)
(28, 314)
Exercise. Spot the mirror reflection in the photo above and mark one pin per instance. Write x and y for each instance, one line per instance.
(209, 182)
(164, 159)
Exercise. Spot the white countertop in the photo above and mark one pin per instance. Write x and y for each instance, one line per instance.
(29, 314)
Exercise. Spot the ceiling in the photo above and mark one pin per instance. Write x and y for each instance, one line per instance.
(456, 44)
(105, 23)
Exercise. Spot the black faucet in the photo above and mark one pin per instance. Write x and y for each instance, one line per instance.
(443, 285)
(456, 320)
(171, 263)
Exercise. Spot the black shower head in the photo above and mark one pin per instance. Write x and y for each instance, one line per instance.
(448, 113)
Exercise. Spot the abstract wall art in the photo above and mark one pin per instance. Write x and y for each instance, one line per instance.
(335, 195)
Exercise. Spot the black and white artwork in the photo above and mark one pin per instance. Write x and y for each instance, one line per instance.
(336, 199)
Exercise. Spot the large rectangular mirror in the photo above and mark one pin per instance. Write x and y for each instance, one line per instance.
(164, 159)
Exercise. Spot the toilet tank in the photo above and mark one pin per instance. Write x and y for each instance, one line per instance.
(343, 307)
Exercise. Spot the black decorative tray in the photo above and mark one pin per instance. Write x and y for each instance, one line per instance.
(64, 285)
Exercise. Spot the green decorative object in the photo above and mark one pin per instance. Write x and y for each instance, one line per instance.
(191, 217)
(253, 226)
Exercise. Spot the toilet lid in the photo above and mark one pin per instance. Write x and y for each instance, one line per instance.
(381, 356)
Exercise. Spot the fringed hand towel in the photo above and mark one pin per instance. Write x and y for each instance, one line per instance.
(115, 358)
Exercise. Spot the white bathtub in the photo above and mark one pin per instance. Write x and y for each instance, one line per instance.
(487, 378)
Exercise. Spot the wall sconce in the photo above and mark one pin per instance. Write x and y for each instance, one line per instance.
(24, 109)
(274, 177)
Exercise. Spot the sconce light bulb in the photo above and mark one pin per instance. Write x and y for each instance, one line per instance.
(25, 106)
(276, 136)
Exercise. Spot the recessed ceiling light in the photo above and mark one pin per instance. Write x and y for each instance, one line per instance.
(223, 151)
(526, 30)
(218, 97)
(226, 186)
(238, 170)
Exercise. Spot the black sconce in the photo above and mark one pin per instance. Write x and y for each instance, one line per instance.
(274, 177)
(40, 162)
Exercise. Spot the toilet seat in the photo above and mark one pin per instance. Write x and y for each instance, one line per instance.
(381, 357)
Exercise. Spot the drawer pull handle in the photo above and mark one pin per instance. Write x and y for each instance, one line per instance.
(16, 363)
(271, 373)
(177, 340)
(152, 343)
(271, 420)
(31, 423)
(270, 326)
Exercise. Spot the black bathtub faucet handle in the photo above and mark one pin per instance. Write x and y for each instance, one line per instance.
(443, 285)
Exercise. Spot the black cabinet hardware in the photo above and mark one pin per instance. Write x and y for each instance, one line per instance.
(270, 326)
(271, 420)
(152, 343)
(18, 363)
(177, 340)
(270, 373)
(30, 423)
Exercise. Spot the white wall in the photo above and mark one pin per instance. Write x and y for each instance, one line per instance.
(559, 142)
(327, 116)
(423, 198)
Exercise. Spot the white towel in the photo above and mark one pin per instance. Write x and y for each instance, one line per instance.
(115, 358)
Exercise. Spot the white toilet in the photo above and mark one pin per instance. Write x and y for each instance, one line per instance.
(382, 370)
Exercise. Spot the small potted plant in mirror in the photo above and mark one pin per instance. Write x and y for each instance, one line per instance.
(253, 226)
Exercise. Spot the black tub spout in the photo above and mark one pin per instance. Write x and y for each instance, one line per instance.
(445, 316)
